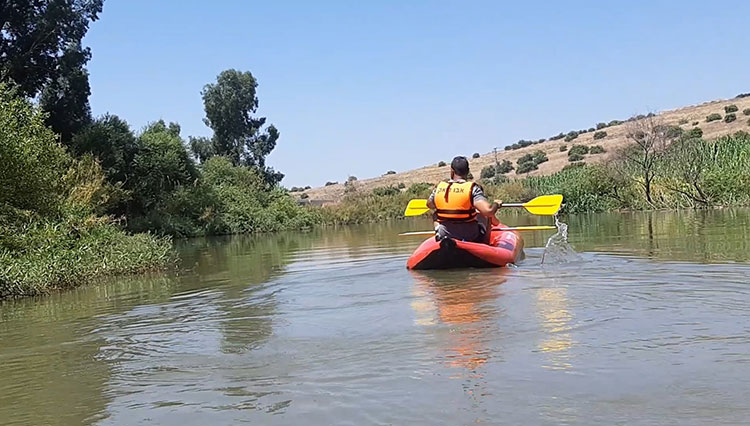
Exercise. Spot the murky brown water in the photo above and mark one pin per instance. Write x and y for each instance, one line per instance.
(649, 323)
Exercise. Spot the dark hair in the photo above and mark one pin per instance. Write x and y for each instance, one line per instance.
(460, 165)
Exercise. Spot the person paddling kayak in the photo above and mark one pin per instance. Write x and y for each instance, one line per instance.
(462, 211)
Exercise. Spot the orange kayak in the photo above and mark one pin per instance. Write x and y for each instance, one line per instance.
(505, 247)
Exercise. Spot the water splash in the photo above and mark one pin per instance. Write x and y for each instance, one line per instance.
(558, 250)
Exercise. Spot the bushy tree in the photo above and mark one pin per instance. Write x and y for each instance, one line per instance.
(161, 166)
(109, 139)
(713, 117)
(600, 135)
(32, 160)
(476, 154)
(731, 108)
(730, 118)
(246, 140)
(597, 149)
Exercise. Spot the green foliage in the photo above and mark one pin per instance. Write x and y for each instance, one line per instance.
(669, 131)
(441, 164)
(50, 234)
(526, 167)
(597, 149)
(574, 165)
(746, 111)
(695, 123)
(390, 172)
(401, 185)
(614, 123)
(230, 104)
(111, 141)
(695, 132)
(584, 188)
(32, 160)
(563, 148)
(380, 204)
(575, 157)
(557, 137)
(578, 150)
(385, 191)
(730, 118)
(351, 179)
(329, 183)
(43, 255)
(570, 136)
(475, 155)
(731, 108)
(600, 126)
(161, 165)
(504, 167)
(713, 117)
(600, 135)
(487, 172)
(37, 38)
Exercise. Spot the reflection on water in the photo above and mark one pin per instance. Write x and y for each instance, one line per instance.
(556, 319)
(329, 327)
(465, 304)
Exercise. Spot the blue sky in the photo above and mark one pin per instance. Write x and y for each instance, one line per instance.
(359, 88)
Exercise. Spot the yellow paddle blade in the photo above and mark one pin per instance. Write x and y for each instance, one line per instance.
(545, 205)
(508, 228)
(416, 208)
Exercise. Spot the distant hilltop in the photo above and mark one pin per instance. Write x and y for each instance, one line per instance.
(714, 119)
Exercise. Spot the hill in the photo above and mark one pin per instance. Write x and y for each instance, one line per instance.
(687, 118)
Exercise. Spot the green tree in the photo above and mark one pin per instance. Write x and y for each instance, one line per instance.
(35, 38)
(32, 160)
(230, 104)
(66, 97)
(110, 139)
(161, 166)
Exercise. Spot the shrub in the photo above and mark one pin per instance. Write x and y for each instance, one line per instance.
(575, 157)
(557, 137)
(695, 132)
(578, 150)
(526, 167)
(487, 172)
(351, 179)
(713, 117)
(614, 123)
(441, 164)
(683, 121)
(401, 185)
(296, 189)
(524, 143)
(393, 172)
(597, 149)
(540, 157)
(570, 136)
(590, 129)
(331, 183)
(544, 140)
(384, 191)
(731, 108)
(730, 118)
(308, 187)
(600, 126)
(504, 167)
(670, 131)
(470, 176)
(475, 155)
(746, 111)
(574, 165)
(743, 95)
(304, 196)
(563, 148)
(600, 135)
(695, 123)
(509, 147)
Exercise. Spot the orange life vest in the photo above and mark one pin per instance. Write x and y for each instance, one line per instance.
(453, 202)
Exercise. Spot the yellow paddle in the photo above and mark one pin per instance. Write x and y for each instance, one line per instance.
(545, 205)
(515, 228)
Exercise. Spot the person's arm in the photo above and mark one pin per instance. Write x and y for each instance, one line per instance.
(483, 205)
(431, 200)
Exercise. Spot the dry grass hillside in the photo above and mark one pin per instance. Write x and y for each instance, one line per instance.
(685, 117)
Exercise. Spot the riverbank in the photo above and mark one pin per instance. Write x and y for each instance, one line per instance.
(688, 172)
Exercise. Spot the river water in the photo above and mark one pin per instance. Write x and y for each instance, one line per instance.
(647, 322)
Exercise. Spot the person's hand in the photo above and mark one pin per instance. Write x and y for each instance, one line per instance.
(496, 206)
